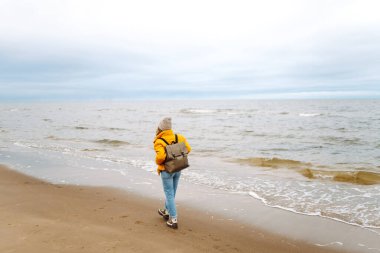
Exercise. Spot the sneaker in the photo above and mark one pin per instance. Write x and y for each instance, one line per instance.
(172, 223)
(164, 213)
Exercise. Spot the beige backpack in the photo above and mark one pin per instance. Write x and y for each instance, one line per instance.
(176, 156)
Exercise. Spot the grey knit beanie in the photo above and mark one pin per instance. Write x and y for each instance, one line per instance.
(165, 124)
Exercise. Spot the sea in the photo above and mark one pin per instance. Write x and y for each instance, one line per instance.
(312, 157)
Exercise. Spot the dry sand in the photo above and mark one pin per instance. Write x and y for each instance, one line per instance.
(36, 216)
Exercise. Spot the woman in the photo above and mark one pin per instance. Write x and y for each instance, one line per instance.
(169, 181)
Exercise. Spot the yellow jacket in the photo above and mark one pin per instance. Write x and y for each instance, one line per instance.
(159, 146)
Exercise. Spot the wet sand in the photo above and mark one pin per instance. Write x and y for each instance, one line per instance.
(37, 216)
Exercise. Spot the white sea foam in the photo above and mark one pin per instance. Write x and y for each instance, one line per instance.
(199, 111)
(309, 114)
(329, 244)
(123, 173)
(253, 194)
(19, 144)
(142, 164)
(369, 248)
(348, 214)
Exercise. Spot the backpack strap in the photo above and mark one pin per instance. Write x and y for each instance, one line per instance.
(176, 139)
(164, 140)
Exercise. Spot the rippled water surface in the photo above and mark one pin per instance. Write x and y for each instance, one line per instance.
(312, 157)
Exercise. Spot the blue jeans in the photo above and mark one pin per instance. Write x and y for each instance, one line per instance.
(170, 183)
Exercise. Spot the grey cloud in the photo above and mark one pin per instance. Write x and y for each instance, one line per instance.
(346, 62)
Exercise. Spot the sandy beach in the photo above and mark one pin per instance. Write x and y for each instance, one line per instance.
(37, 216)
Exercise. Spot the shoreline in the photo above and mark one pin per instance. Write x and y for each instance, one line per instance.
(38, 216)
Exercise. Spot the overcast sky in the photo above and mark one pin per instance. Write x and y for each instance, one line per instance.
(80, 49)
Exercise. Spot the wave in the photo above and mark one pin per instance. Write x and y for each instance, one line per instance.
(346, 141)
(353, 177)
(257, 134)
(81, 128)
(273, 162)
(115, 143)
(102, 128)
(52, 137)
(274, 149)
(93, 149)
(360, 177)
(55, 138)
(113, 129)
